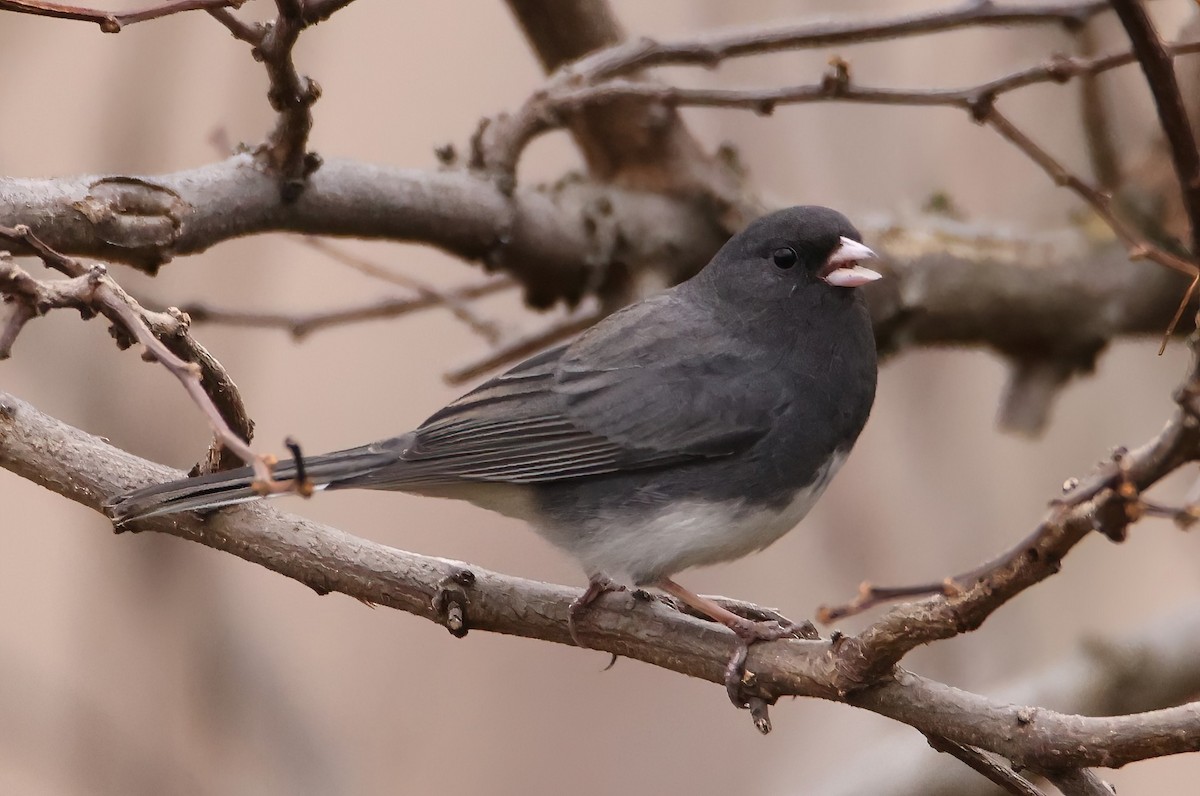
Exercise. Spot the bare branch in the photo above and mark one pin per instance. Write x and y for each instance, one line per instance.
(458, 307)
(301, 325)
(542, 113)
(88, 470)
(507, 137)
(1096, 115)
(1151, 667)
(247, 32)
(996, 771)
(711, 49)
(631, 142)
(556, 242)
(291, 96)
(1107, 501)
(1156, 63)
(837, 86)
(110, 21)
(1079, 782)
(164, 336)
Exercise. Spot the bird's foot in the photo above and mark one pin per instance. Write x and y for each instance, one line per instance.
(598, 585)
(748, 632)
(751, 625)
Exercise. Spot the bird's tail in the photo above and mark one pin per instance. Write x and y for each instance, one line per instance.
(235, 486)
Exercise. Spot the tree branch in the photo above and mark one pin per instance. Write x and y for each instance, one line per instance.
(632, 143)
(1152, 667)
(110, 21)
(300, 325)
(1156, 63)
(291, 96)
(89, 470)
(997, 772)
(558, 242)
(163, 334)
(507, 137)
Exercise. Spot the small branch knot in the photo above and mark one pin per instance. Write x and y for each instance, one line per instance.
(451, 601)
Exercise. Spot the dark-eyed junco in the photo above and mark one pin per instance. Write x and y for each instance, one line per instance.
(696, 426)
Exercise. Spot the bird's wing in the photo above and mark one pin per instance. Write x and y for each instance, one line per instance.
(638, 390)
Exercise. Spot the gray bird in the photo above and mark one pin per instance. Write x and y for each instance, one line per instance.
(693, 427)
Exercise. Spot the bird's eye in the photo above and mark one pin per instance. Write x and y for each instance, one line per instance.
(784, 258)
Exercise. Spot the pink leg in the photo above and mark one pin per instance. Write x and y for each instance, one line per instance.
(747, 631)
(598, 584)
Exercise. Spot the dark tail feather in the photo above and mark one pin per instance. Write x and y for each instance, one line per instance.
(233, 486)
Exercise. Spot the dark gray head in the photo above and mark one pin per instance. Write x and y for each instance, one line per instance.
(807, 247)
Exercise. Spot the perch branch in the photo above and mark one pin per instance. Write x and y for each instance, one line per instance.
(89, 470)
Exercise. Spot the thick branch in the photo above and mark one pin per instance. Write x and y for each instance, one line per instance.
(556, 242)
(89, 470)
(634, 143)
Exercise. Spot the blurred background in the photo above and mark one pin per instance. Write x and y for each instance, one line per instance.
(143, 664)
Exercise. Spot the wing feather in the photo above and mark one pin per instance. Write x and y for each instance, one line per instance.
(635, 391)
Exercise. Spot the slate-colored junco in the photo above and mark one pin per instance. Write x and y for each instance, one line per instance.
(696, 426)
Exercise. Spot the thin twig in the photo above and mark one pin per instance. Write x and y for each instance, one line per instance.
(1097, 120)
(251, 33)
(506, 138)
(302, 325)
(1138, 246)
(837, 86)
(458, 307)
(1110, 510)
(112, 21)
(1155, 60)
(91, 290)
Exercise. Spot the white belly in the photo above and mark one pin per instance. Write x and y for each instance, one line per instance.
(687, 534)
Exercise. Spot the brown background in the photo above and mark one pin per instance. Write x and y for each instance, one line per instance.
(145, 665)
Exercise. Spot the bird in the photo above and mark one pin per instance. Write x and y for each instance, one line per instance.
(696, 426)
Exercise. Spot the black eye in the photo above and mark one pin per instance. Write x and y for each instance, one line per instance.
(784, 258)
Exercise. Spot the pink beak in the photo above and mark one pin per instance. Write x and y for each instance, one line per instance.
(843, 269)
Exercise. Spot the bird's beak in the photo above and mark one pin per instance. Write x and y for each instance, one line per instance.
(842, 268)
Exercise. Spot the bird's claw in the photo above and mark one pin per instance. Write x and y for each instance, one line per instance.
(737, 679)
(598, 585)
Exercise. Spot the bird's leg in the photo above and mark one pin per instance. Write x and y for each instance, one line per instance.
(747, 631)
(598, 584)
